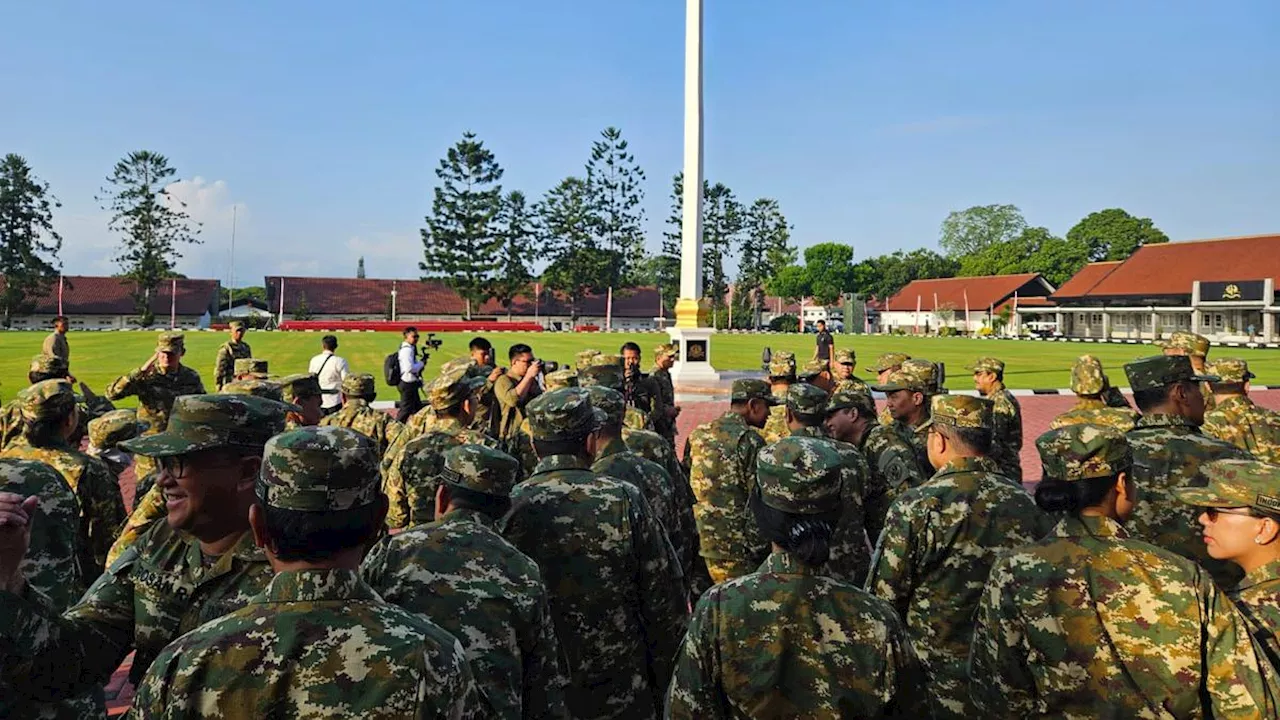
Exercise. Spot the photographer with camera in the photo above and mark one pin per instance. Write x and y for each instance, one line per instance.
(410, 376)
(514, 389)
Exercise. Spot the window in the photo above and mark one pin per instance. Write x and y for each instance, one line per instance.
(1217, 321)
(1095, 319)
(1206, 320)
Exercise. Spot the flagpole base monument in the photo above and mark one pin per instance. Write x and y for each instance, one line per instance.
(692, 334)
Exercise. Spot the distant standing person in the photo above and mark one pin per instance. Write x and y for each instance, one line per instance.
(56, 343)
(160, 380)
(410, 376)
(330, 369)
(230, 351)
(824, 343)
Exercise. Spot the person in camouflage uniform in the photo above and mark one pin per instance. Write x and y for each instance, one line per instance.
(886, 364)
(105, 435)
(160, 380)
(1089, 382)
(251, 368)
(1006, 416)
(787, 640)
(582, 360)
(357, 392)
(818, 374)
(303, 390)
(461, 573)
(50, 367)
(1092, 623)
(722, 459)
(606, 373)
(1195, 347)
(228, 353)
(782, 373)
(49, 417)
(665, 410)
(850, 553)
(199, 565)
(1168, 451)
(268, 389)
(940, 540)
(842, 367)
(851, 418)
(908, 391)
(1235, 418)
(616, 595)
(317, 641)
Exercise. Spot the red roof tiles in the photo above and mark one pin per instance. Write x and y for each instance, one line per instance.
(90, 295)
(1171, 268)
(1083, 281)
(981, 292)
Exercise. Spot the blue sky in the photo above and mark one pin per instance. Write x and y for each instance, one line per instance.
(323, 122)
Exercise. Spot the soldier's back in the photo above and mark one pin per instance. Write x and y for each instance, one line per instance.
(893, 458)
(411, 493)
(850, 554)
(721, 474)
(1246, 425)
(1096, 413)
(775, 428)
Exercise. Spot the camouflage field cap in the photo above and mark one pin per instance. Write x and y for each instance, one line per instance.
(203, 422)
(564, 414)
(606, 360)
(300, 385)
(48, 399)
(456, 364)
(807, 400)
(562, 378)
(1083, 452)
(253, 386)
(799, 475)
(236, 325)
(609, 376)
(1236, 483)
(960, 411)
(49, 365)
(752, 389)
(813, 369)
(480, 469)
(609, 401)
(1159, 370)
(583, 358)
(319, 469)
(846, 356)
(664, 350)
(1230, 370)
(171, 342)
(251, 366)
(1087, 376)
(782, 364)
(111, 428)
(889, 360)
(452, 387)
(858, 398)
(359, 386)
(987, 364)
(1189, 342)
(914, 375)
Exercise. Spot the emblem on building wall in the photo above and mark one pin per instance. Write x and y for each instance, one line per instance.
(1231, 292)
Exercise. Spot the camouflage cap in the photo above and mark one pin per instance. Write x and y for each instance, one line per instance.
(203, 422)
(236, 325)
(455, 364)
(253, 386)
(171, 342)
(115, 427)
(858, 398)
(583, 358)
(300, 385)
(1087, 376)
(1161, 370)
(961, 411)
(609, 376)
(914, 375)
(49, 365)
(451, 387)
(665, 350)
(807, 400)
(1230, 370)
(564, 414)
(359, 385)
(1236, 483)
(319, 469)
(752, 389)
(987, 364)
(480, 469)
(782, 364)
(562, 378)
(251, 366)
(1083, 452)
(813, 369)
(48, 399)
(1189, 342)
(603, 359)
(609, 401)
(888, 361)
(800, 475)
(846, 356)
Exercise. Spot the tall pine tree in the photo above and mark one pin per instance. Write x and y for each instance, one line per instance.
(28, 243)
(614, 186)
(578, 266)
(722, 223)
(766, 249)
(516, 228)
(461, 241)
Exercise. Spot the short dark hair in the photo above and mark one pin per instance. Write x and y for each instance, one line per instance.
(629, 346)
(468, 499)
(1054, 495)
(43, 432)
(480, 344)
(821, 322)
(547, 448)
(312, 536)
(36, 376)
(518, 349)
(1225, 388)
(61, 318)
(976, 439)
(806, 419)
(808, 537)
(1151, 397)
(329, 342)
(410, 329)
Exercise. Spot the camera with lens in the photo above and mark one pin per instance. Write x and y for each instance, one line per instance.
(430, 344)
(549, 366)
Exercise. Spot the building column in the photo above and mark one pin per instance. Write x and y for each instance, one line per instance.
(1106, 325)
(1155, 323)
(1268, 325)
(1057, 321)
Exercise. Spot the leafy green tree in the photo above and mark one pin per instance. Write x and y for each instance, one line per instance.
(360, 268)
(830, 270)
(722, 223)
(1059, 258)
(1114, 234)
(461, 242)
(615, 189)
(152, 222)
(29, 245)
(253, 292)
(517, 228)
(966, 232)
(791, 283)
(884, 275)
(1035, 250)
(667, 271)
(578, 267)
(766, 249)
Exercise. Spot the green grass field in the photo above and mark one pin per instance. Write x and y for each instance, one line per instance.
(98, 358)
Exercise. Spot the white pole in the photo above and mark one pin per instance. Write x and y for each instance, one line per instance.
(280, 320)
(608, 311)
(393, 301)
(173, 304)
(691, 225)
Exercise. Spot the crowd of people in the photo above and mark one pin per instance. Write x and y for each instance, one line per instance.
(519, 541)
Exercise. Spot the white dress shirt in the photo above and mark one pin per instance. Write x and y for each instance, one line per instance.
(331, 376)
(410, 366)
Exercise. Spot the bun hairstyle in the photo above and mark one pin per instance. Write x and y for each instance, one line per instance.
(807, 537)
(1053, 495)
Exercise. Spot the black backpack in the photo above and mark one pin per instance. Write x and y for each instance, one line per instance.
(391, 368)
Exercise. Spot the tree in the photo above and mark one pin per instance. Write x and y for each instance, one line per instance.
(460, 242)
(668, 269)
(1114, 234)
(153, 223)
(1058, 259)
(1035, 250)
(722, 223)
(883, 276)
(360, 268)
(766, 249)
(302, 311)
(253, 292)
(830, 270)
(516, 228)
(578, 266)
(966, 232)
(615, 194)
(791, 283)
(29, 245)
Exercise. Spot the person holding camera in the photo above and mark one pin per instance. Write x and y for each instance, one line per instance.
(410, 376)
(514, 389)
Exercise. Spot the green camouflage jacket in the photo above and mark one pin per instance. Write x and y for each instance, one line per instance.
(664, 397)
(1167, 453)
(617, 461)
(932, 560)
(655, 448)
(616, 598)
(155, 392)
(376, 425)
(893, 461)
(147, 508)
(1006, 433)
(462, 574)
(787, 642)
(1095, 411)
(101, 513)
(1258, 597)
(919, 445)
(775, 428)
(850, 551)
(313, 644)
(412, 497)
(850, 383)
(722, 471)
(1089, 623)
(1248, 426)
(224, 365)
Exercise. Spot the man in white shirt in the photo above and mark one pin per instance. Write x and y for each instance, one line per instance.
(330, 370)
(410, 376)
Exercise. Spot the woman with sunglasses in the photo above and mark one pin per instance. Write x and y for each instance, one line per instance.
(1089, 622)
(1241, 524)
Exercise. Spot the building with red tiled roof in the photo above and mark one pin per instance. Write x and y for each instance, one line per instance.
(106, 303)
(926, 305)
(1223, 289)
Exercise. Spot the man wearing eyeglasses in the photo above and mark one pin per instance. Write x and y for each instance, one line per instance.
(199, 565)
